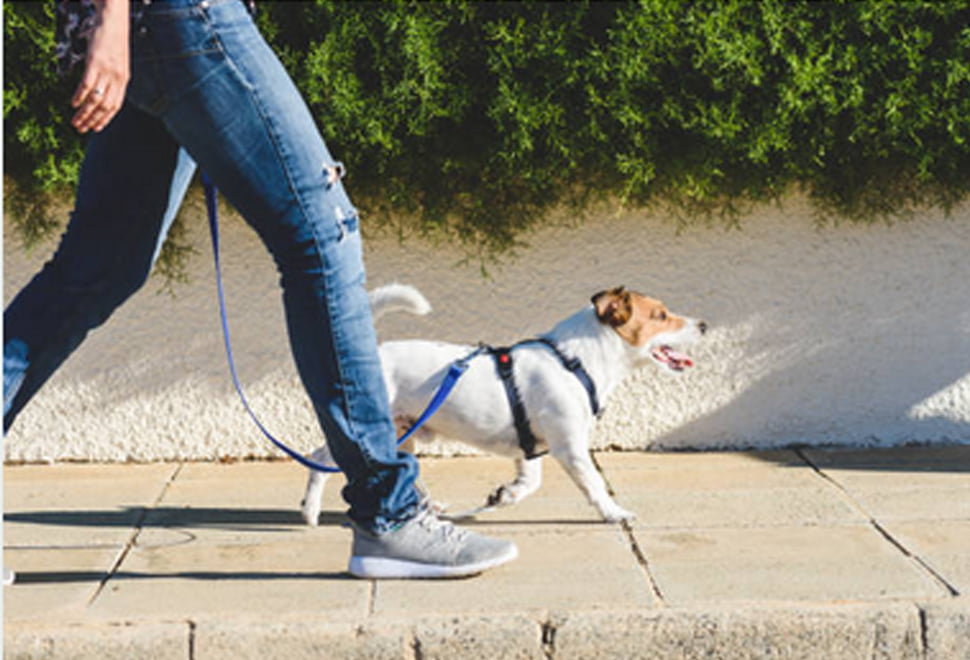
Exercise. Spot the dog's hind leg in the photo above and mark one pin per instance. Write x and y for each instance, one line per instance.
(527, 481)
(313, 497)
(580, 467)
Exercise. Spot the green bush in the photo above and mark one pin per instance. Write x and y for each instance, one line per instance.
(474, 119)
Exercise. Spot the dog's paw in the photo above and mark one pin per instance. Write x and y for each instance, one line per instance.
(501, 496)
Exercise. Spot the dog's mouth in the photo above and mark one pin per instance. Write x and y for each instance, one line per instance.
(670, 358)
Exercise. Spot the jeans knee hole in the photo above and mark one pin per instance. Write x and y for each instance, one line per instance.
(346, 220)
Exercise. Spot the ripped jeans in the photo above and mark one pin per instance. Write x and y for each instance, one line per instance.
(206, 88)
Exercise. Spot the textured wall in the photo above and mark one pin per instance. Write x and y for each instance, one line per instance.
(845, 335)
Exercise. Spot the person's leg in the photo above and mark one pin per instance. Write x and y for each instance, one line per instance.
(231, 105)
(228, 101)
(131, 183)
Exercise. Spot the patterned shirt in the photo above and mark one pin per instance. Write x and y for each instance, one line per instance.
(75, 22)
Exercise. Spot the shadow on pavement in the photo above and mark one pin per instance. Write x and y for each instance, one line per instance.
(266, 520)
(66, 577)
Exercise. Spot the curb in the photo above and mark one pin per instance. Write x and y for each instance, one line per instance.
(939, 630)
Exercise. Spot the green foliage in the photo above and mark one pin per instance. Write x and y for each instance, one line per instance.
(474, 119)
(40, 151)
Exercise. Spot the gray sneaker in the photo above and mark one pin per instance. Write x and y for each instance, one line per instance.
(426, 547)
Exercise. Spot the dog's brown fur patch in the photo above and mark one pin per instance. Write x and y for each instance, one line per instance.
(635, 317)
(613, 306)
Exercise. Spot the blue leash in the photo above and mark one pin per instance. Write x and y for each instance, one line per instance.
(455, 371)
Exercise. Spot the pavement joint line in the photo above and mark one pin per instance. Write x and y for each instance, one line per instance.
(414, 646)
(548, 638)
(882, 530)
(923, 629)
(372, 598)
(191, 639)
(631, 538)
(123, 554)
(942, 581)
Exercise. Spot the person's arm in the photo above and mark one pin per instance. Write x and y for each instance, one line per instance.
(99, 96)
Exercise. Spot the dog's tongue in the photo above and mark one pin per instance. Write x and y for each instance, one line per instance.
(679, 360)
(675, 360)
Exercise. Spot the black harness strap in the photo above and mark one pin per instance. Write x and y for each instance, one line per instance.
(504, 364)
(575, 367)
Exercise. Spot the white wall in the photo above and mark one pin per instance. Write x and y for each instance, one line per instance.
(838, 335)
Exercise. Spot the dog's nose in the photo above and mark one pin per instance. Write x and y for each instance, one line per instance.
(702, 326)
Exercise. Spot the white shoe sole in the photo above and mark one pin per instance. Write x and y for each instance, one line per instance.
(385, 568)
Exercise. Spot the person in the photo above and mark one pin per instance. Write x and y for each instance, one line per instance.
(169, 84)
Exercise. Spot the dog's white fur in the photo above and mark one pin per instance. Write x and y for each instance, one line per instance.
(618, 333)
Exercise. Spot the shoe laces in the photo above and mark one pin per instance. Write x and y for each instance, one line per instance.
(427, 519)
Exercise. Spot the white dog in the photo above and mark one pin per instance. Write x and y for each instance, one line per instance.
(556, 382)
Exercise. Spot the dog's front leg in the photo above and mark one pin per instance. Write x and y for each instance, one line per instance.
(527, 481)
(579, 465)
(313, 497)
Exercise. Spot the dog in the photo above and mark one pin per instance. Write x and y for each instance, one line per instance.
(618, 332)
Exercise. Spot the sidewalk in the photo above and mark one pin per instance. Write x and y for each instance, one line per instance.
(793, 554)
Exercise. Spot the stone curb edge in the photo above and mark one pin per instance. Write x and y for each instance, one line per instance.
(933, 631)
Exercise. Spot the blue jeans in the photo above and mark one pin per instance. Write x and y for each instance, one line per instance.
(205, 88)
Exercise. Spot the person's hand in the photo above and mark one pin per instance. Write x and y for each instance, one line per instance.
(99, 96)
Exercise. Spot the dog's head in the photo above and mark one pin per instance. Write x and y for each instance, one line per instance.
(648, 326)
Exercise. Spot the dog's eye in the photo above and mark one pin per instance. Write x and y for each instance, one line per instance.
(661, 315)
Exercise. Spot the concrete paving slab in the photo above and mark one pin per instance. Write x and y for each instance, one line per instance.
(918, 483)
(727, 490)
(465, 483)
(92, 505)
(563, 569)
(782, 564)
(43, 475)
(710, 461)
(244, 483)
(771, 507)
(240, 502)
(903, 502)
(709, 471)
(303, 572)
(756, 554)
(55, 584)
(943, 545)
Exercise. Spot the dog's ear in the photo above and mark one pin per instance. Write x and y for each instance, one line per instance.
(613, 307)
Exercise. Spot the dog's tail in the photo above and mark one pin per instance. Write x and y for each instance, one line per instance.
(398, 298)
